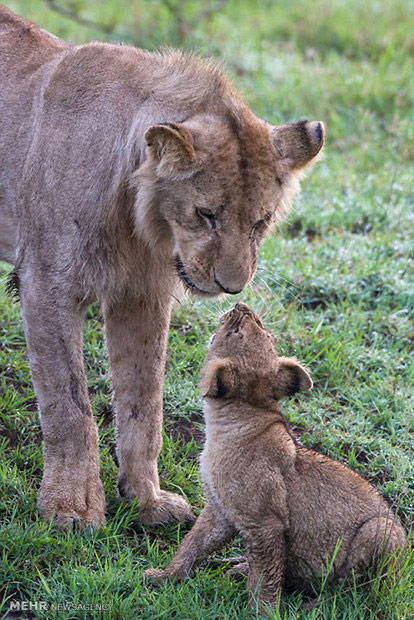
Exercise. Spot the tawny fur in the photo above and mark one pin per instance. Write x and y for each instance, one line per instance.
(110, 157)
(298, 511)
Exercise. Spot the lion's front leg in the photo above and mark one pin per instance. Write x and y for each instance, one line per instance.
(137, 330)
(71, 490)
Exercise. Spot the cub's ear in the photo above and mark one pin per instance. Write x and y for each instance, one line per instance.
(291, 377)
(299, 143)
(217, 379)
(172, 146)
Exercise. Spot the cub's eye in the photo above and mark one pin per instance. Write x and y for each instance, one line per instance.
(208, 216)
(236, 330)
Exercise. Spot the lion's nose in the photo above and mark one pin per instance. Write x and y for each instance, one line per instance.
(233, 270)
(227, 290)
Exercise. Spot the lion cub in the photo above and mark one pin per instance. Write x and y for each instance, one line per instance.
(297, 511)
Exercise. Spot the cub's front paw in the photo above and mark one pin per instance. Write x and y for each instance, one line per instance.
(239, 571)
(236, 567)
(154, 576)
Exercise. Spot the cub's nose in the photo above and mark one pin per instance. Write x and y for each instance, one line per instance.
(243, 311)
(241, 306)
(237, 313)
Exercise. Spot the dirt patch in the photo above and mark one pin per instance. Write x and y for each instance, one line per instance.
(311, 234)
(186, 430)
(294, 229)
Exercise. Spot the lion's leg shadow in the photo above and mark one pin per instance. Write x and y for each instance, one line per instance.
(71, 489)
(136, 332)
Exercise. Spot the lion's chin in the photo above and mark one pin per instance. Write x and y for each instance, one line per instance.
(194, 291)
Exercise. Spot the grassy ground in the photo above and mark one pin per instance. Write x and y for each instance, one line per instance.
(336, 286)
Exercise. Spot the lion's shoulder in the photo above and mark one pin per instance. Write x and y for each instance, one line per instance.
(23, 45)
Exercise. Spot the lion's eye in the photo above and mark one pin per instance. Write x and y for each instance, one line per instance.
(261, 225)
(208, 216)
(258, 228)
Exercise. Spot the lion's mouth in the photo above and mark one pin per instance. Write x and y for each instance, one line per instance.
(188, 283)
(182, 274)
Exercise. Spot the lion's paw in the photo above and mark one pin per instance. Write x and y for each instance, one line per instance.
(167, 507)
(70, 504)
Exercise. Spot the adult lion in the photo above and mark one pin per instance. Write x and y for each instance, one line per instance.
(122, 174)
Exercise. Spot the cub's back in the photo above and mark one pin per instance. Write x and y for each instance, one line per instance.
(327, 502)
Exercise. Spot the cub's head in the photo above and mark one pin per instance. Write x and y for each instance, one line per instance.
(242, 363)
(212, 187)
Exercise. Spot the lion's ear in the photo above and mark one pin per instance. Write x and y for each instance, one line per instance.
(291, 377)
(217, 379)
(172, 146)
(299, 143)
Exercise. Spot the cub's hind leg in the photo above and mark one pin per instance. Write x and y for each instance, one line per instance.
(71, 488)
(380, 541)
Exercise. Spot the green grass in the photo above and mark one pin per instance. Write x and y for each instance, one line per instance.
(335, 286)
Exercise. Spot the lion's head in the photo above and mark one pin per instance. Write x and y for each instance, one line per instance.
(213, 188)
